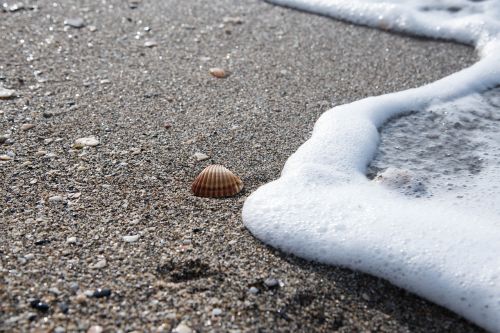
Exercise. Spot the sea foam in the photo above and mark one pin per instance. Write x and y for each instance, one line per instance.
(439, 241)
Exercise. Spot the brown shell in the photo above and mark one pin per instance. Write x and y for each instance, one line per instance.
(215, 181)
(218, 72)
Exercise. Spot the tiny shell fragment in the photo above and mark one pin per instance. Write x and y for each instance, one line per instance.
(131, 238)
(201, 156)
(75, 22)
(232, 20)
(90, 141)
(150, 43)
(216, 181)
(218, 72)
(7, 93)
(26, 127)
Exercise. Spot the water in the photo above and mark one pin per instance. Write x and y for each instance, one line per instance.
(425, 213)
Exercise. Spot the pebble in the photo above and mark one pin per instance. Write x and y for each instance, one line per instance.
(26, 127)
(131, 238)
(150, 43)
(92, 28)
(29, 256)
(100, 264)
(90, 141)
(201, 156)
(232, 20)
(56, 198)
(216, 312)
(95, 329)
(39, 305)
(7, 93)
(71, 240)
(100, 293)
(218, 72)
(74, 286)
(254, 290)
(54, 291)
(15, 7)
(80, 298)
(64, 307)
(5, 157)
(3, 139)
(182, 328)
(75, 22)
(271, 283)
(59, 329)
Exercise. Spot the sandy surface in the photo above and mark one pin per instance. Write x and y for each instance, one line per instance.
(65, 211)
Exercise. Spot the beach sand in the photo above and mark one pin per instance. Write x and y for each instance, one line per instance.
(64, 211)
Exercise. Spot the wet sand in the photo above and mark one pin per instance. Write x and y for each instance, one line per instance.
(65, 211)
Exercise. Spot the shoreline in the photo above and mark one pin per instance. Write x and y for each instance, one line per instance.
(193, 255)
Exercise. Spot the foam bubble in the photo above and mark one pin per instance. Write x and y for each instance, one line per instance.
(429, 223)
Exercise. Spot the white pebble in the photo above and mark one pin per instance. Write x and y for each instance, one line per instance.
(201, 156)
(90, 141)
(131, 238)
(71, 240)
(100, 264)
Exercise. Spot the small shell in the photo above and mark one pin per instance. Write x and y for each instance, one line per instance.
(218, 72)
(216, 181)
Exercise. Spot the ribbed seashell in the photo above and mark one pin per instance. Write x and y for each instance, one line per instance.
(216, 181)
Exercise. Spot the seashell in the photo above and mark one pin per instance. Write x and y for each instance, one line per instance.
(218, 72)
(216, 181)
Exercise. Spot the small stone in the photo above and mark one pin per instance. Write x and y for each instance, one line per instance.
(92, 28)
(90, 141)
(89, 293)
(219, 73)
(29, 256)
(26, 127)
(47, 115)
(150, 43)
(201, 157)
(182, 328)
(42, 242)
(74, 286)
(131, 238)
(56, 199)
(59, 329)
(167, 125)
(15, 7)
(7, 93)
(71, 240)
(75, 22)
(216, 312)
(39, 305)
(232, 20)
(3, 139)
(100, 264)
(253, 290)
(95, 329)
(365, 297)
(100, 293)
(271, 283)
(81, 298)
(5, 157)
(64, 307)
(54, 291)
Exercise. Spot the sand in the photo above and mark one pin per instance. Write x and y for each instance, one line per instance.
(65, 211)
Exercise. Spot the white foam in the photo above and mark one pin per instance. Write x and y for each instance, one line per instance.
(324, 208)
